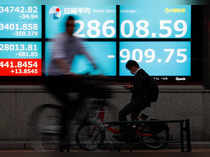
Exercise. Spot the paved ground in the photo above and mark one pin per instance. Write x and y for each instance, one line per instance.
(167, 150)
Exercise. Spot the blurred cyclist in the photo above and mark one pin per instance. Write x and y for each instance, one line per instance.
(60, 81)
(65, 48)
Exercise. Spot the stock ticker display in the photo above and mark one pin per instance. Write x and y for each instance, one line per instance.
(113, 33)
(158, 58)
(20, 21)
(20, 59)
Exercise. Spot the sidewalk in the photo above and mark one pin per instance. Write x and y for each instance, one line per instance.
(154, 151)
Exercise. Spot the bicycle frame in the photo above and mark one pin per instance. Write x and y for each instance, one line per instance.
(101, 116)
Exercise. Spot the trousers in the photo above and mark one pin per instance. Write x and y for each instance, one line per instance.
(133, 109)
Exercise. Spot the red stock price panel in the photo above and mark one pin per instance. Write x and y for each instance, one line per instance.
(20, 59)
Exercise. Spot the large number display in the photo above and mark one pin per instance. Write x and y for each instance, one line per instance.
(155, 22)
(157, 58)
(153, 19)
(157, 34)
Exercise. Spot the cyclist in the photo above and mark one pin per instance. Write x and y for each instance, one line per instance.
(60, 81)
(65, 48)
(141, 94)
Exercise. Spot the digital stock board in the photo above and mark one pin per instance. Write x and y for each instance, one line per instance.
(155, 20)
(20, 59)
(158, 58)
(20, 21)
(158, 35)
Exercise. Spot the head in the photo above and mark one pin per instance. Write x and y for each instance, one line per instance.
(132, 66)
(70, 25)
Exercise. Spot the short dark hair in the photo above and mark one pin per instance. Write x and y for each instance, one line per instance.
(131, 63)
(69, 18)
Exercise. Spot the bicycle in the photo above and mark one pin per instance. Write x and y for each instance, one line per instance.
(45, 121)
(92, 132)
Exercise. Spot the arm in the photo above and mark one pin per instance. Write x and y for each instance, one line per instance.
(129, 86)
(90, 59)
(85, 53)
(63, 66)
(137, 85)
(142, 84)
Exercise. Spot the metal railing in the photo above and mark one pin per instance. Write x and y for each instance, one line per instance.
(185, 132)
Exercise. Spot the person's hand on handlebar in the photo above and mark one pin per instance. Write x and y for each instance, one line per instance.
(71, 74)
(128, 86)
(95, 67)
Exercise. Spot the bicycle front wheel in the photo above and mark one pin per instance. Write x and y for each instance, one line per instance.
(46, 125)
(90, 136)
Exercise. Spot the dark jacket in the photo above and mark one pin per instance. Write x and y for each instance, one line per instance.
(140, 91)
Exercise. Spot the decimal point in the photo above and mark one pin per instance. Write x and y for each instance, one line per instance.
(159, 60)
(154, 35)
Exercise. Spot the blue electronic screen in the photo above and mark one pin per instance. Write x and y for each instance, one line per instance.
(23, 50)
(155, 33)
(153, 19)
(20, 19)
(94, 19)
(103, 53)
(157, 58)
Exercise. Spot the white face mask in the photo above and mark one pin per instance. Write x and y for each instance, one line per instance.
(137, 70)
(134, 72)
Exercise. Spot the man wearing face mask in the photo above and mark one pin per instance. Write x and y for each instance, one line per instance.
(144, 90)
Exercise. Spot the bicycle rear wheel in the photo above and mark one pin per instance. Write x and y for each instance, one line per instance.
(46, 125)
(155, 139)
(90, 136)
